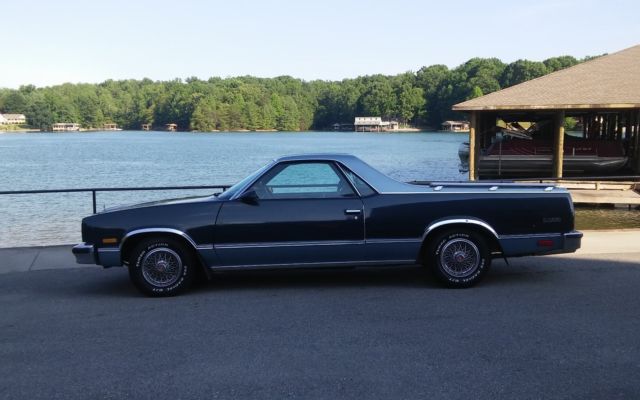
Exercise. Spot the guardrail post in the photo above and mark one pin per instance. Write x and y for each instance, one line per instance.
(93, 195)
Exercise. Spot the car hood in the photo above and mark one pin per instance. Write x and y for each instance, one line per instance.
(182, 200)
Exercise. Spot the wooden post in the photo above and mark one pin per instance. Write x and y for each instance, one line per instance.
(473, 143)
(558, 145)
(636, 141)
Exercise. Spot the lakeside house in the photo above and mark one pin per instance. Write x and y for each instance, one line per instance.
(171, 127)
(65, 127)
(374, 124)
(111, 127)
(13, 119)
(146, 127)
(455, 126)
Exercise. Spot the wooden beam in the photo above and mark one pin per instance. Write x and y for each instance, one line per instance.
(558, 144)
(473, 143)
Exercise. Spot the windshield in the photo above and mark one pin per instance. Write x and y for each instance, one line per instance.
(229, 193)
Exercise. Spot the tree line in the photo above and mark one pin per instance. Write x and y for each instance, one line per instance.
(423, 98)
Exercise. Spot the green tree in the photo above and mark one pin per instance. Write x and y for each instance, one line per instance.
(521, 71)
(557, 63)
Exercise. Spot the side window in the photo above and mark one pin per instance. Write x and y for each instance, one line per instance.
(303, 180)
(363, 188)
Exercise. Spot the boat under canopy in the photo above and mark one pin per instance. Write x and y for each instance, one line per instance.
(519, 157)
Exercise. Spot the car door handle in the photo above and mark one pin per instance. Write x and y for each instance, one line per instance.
(352, 212)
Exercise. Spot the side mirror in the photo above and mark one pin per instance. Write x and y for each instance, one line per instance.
(250, 197)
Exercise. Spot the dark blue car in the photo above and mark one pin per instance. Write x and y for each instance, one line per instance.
(330, 210)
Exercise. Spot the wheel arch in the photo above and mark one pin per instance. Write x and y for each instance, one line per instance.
(133, 238)
(468, 224)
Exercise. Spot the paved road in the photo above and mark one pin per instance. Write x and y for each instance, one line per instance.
(550, 327)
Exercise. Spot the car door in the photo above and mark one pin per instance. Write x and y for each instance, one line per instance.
(302, 212)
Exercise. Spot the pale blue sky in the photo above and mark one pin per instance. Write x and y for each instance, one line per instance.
(50, 42)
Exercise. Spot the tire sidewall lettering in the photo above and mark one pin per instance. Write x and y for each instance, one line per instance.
(467, 280)
(158, 290)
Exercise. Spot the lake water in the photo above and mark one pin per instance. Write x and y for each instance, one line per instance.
(121, 159)
(126, 159)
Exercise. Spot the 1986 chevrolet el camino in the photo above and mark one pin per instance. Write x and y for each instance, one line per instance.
(330, 210)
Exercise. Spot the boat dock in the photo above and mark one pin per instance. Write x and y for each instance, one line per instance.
(615, 193)
(603, 97)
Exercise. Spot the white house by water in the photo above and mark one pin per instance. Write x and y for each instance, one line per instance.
(374, 124)
(13, 119)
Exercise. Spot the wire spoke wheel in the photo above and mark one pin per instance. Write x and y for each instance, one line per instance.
(460, 257)
(161, 267)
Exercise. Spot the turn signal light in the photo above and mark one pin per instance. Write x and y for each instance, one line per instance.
(545, 243)
(109, 241)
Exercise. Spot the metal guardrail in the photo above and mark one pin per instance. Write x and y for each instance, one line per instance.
(93, 191)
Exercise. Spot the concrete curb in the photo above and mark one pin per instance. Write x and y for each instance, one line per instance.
(23, 259)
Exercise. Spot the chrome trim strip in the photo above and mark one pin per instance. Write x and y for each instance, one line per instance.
(471, 192)
(316, 264)
(531, 236)
(346, 177)
(341, 165)
(385, 241)
(460, 221)
(353, 211)
(108, 249)
(157, 230)
(287, 244)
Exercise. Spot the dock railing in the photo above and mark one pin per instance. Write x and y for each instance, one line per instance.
(616, 178)
(93, 191)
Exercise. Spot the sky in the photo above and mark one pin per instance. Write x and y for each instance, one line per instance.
(45, 42)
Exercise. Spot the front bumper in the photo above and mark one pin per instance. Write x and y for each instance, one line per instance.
(84, 253)
(87, 254)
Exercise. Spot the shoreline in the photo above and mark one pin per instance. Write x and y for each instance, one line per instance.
(98, 130)
(404, 130)
(25, 130)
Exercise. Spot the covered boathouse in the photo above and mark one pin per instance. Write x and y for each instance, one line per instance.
(525, 124)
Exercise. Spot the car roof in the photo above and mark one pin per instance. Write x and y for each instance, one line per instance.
(343, 157)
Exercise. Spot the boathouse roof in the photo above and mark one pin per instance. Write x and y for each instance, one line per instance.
(611, 81)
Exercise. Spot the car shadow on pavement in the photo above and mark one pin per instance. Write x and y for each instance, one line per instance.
(528, 271)
(412, 276)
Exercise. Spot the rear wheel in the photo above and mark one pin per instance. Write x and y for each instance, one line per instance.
(161, 267)
(459, 258)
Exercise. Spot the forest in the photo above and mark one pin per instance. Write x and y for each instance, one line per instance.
(422, 99)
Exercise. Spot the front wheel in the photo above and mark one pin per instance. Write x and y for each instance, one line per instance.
(161, 267)
(459, 259)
